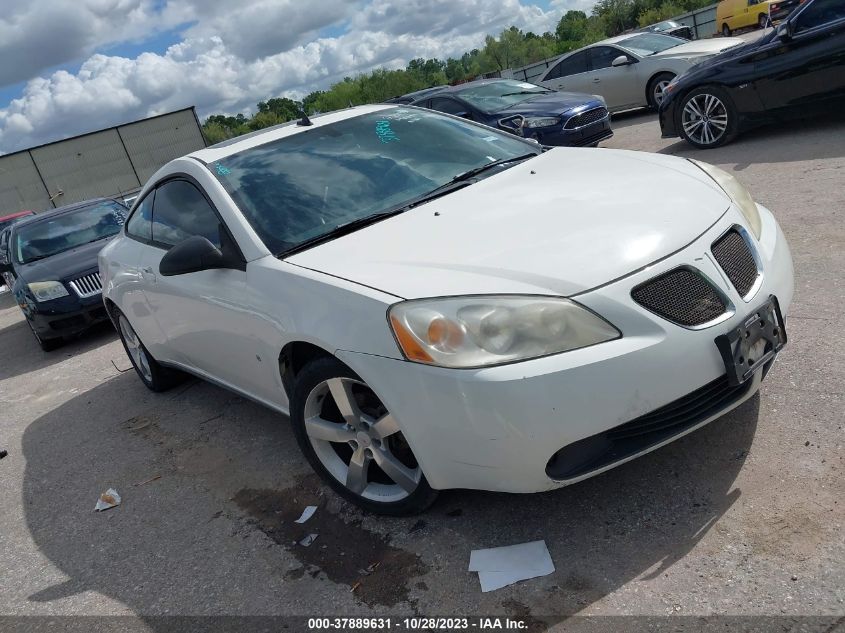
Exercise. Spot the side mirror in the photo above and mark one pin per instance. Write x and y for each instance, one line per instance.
(784, 31)
(190, 256)
(622, 60)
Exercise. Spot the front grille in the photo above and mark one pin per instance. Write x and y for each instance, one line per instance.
(682, 296)
(734, 256)
(87, 285)
(651, 429)
(585, 118)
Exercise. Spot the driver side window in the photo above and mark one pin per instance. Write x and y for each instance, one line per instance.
(603, 56)
(181, 211)
(819, 13)
(572, 65)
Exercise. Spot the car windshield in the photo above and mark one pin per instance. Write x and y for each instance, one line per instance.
(295, 189)
(650, 43)
(499, 95)
(68, 230)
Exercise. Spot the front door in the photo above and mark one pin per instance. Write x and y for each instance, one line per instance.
(205, 317)
(808, 67)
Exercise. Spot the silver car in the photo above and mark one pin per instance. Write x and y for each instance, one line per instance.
(632, 70)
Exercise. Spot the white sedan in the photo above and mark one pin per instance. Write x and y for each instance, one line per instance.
(631, 71)
(436, 304)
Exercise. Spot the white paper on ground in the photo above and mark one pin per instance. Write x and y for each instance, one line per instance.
(307, 513)
(109, 499)
(499, 567)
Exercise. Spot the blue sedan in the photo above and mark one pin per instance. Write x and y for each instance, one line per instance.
(525, 109)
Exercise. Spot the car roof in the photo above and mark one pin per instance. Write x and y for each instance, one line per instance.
(456, 90)
(291, 128)
(16, 214)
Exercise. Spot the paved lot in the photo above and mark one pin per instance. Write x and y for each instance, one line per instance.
(743, 517)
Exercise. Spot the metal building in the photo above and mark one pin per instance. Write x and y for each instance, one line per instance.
(112, 162)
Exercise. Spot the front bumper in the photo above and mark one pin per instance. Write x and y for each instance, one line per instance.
(578, 137)
(498, 428)
(66, 316)
(666, 117)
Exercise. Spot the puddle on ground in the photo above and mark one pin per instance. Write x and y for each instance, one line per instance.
(343, 551)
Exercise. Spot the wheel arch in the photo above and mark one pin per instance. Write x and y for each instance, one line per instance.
(654, 75)
(294, 356)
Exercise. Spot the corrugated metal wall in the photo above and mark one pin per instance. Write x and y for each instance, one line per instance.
(154, 142)
(86, 167)
(20, 185)
(110, 162)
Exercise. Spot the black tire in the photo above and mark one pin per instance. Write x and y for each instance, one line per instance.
(731, 128)
(46, 344)
(763, 20)
(651, 98)
(726, 32)
(314, 374)
(160, 378)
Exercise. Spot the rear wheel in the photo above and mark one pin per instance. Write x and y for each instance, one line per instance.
(155, 376)
(707, 117)
(763, 21)
(354, 443)
(656, 87)
(726, 32)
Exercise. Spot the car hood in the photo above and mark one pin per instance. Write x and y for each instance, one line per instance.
(562, 223)
(64, 266)
(700, 47)
(552, 103)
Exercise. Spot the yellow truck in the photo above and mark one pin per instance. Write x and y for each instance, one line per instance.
(732, 15)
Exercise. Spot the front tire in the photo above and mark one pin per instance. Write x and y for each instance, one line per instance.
(155, 376)
(707, 117)
(726, 32)
(354, 443)
(654, 92)
(763, 21)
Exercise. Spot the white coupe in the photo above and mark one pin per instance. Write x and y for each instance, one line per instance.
(631, 71)
(436, 304)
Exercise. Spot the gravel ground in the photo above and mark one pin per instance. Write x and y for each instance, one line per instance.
(743, 517)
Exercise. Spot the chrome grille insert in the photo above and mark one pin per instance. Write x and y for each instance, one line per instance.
(684, 296)
(87, 285)
(734, 253)
(586, 118)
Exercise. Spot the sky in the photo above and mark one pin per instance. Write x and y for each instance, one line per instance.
(73, 66)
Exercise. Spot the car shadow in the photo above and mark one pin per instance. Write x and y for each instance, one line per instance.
(182, 542)
(798, 140)
(21, 354)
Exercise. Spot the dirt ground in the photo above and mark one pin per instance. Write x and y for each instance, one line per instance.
(744, 517)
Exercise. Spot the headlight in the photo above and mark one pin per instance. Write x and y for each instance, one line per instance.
(489, 330)
(47, 290)
(541, 122)
(739, 194)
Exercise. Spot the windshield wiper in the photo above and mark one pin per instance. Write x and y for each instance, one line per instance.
(486, 166)
(458, 182)
(526, 92)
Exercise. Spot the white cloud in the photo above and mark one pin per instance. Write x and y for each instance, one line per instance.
(233, 55)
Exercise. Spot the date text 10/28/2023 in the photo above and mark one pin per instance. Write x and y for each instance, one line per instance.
(417, 623)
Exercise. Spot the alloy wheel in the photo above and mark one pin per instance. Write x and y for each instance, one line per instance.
(659, 87)
(358, 441)
(705, 119)
(136, 351)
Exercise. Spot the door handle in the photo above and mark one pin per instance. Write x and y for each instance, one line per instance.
(596, 80)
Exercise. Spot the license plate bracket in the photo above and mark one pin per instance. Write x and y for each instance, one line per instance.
(764, 330)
